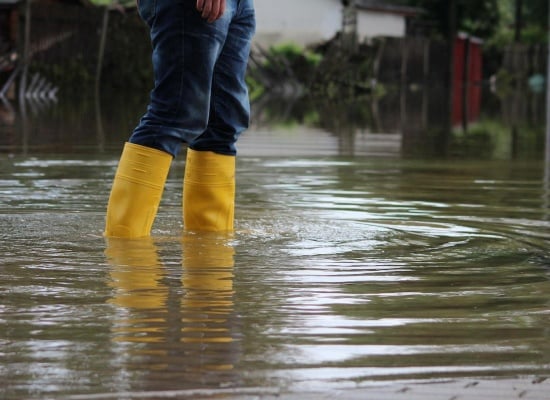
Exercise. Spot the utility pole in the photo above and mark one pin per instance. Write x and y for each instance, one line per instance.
(26, 50)
(518, 23)
(349, 25)
(451, 37)
(97, 85)
(102, 43)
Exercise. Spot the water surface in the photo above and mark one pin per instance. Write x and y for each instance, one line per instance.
(343, 271)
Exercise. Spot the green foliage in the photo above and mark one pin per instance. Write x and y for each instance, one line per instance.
(330, 72)
(536, 16)
(255, 88)
(491, 20)
(72, 77)
(491, 138)
(478, 18)
(476, 143)
(294, 53)
(534, 26)
(300, 62)
(112, 2)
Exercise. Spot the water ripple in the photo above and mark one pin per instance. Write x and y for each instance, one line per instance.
(341, 272)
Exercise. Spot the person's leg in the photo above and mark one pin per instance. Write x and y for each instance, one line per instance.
(209, 183)
(185, 50)
(229, 107)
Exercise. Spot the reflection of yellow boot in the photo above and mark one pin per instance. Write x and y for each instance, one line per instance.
(208, 191)
(137, 279)
(208, 283)
(136, 192)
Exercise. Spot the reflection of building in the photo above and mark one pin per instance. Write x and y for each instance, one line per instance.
(304, 141)
(312, 21)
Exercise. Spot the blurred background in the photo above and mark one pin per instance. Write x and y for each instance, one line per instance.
(392, 211)
(414, 78)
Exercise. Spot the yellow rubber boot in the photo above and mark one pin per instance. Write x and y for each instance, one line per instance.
(208, 191)
(136, 192)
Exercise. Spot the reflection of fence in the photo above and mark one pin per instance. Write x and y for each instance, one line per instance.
(522, 94)
(424, 62)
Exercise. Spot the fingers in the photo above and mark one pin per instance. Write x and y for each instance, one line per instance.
(211, 10)
(221, 9)
(200, 4)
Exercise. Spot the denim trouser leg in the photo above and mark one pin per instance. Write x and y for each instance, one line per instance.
(199, 96)
(230, 108)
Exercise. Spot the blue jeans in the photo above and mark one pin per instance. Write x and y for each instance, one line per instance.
(200, 96)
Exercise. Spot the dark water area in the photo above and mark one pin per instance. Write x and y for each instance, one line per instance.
(352, 263)
(413, 123)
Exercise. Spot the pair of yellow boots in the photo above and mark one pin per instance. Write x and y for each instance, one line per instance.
(208, 196)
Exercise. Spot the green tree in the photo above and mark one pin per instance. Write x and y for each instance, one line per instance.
(525, 21)
(495, 21)
(478, 18)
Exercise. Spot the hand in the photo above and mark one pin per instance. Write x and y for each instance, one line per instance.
(211, 9)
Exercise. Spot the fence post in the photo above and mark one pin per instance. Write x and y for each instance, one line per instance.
(425, 83)
(466, 84)
(97, 85)
(26, 50)
(403, 79)
(101, 51)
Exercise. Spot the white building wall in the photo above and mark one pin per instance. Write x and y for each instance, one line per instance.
(371, 24)
(299, 21)
(308, 22)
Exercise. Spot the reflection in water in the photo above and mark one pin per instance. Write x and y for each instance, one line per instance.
(208, 322)
(397, 271)
(402, 121)
(137, 276)
(180, 323)
(348, 271)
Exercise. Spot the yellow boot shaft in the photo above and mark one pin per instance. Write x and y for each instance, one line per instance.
(136, 192)
(209, 191)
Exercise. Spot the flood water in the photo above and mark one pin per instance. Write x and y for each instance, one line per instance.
(344, 270)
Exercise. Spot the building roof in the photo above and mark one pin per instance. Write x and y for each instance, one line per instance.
(385, 6)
